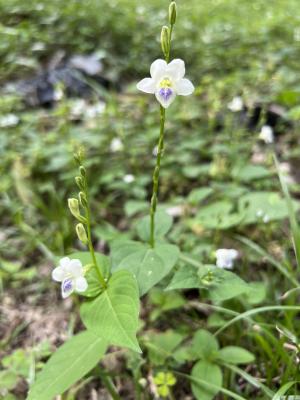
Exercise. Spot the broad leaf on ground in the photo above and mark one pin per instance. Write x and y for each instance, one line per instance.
(204, 345)
(235, 355)
(220, 284)
(210, 373)
(162, 345)
(72, 361)
(163, 223)
(113, 315)
(148, 265)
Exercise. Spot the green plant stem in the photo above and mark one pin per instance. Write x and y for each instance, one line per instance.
(89, 235)
(108, 383)
(160, 149)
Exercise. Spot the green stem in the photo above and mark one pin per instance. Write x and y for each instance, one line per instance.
(89, 235)
(160, 149)
(108, 383)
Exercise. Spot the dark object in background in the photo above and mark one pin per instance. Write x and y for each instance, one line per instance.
(73, 75)
(271, 115)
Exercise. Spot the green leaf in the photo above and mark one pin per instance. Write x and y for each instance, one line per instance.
(250, 172)
(186, 277)
(215, 216)
(72, 361)
(94, 286)
(135, 206)
(279, 394)
(204, 345)
(163, 223)
(220, 284)
(198, 195)
(210, 373)
(266, 204)
(257, 293)
(228, 285)
(161, 346)
(113, 315)
(8, 379)
(235, 355)
(148, 265)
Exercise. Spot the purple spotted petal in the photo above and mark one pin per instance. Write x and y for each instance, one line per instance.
(165, 93)
(67, 287)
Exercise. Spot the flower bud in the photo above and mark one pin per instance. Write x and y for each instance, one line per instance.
(172, 12)
(78, 156)
(74, 208)
(82, 171)
(81, 233)
(164, 40)
(79, 182)
(83, 199)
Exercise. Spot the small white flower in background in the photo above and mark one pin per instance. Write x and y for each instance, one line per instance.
(266, 134)
(116, 145)
(226, 257)
(155, 151)
(71, 275)
(78, 108)
(236, 104)
(9, 120)
(58, 94)
(175, 211)
(93, 110)
(166, 81)
(266, 219)
(128, 178)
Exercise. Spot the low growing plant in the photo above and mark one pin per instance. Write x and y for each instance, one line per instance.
(111, 286)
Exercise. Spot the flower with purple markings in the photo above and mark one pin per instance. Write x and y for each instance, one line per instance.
(167, 81)
(71, 275)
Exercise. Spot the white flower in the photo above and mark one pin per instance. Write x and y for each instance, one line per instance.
(236, 104)
(128, 178)
(70, 274)
(9, 120)
(226, 257)
(93, 110)
(116, 145)
(266, 134)
(166, 81)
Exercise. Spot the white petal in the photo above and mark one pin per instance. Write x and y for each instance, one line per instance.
(184, 87)
(58, 274)
(158, 69)
(233, 254)
(67, 287)
(81, 284)
(64, 262)
(176, 69)
(146, 85)
(163, 100)
(75, 268)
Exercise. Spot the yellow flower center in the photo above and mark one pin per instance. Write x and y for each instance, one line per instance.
(165, 83)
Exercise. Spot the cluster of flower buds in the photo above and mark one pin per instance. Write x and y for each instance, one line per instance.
(76, 204)
(165, 37)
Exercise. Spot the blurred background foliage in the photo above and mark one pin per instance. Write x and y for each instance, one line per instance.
(218, 179)
(249, 49)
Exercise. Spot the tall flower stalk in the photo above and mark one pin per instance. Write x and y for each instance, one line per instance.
(84, 233)
(166, 37)
(166, 82)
